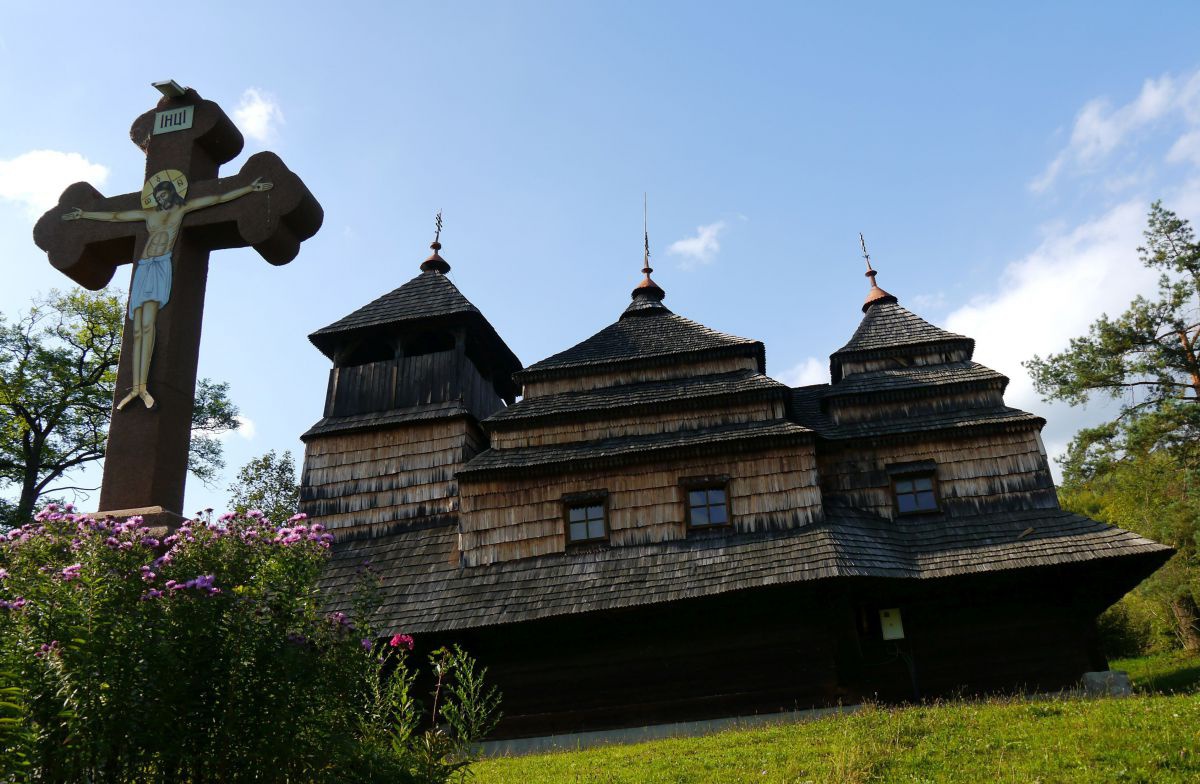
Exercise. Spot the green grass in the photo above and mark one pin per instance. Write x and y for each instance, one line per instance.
(1151, 737)
(1163, 673)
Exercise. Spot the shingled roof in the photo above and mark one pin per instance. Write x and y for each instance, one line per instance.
(623, 449)
(425, 590)
(648, 395)
(382, 419)
(428, 295)
(648, 330)
(887, 325)
(917, 376)
(806, 410)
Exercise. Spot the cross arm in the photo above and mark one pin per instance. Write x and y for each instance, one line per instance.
(88, 251)
(273, 222)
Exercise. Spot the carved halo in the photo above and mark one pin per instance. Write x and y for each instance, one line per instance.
(176, 178)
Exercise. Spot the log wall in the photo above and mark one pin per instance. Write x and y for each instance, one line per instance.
(975, 473)
(508, 518)
(410, 381)
(372, 480)
(919, 357)
(611, 378)
(638, 424)
(738, 654)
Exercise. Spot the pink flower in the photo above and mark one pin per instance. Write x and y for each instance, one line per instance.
(401, 639)
(71, 572)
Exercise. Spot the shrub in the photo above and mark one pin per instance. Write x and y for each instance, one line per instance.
(206, 657)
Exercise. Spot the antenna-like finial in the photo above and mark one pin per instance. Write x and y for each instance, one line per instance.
(647, 289)
(646, 234)
(876, 294)
(435, 263)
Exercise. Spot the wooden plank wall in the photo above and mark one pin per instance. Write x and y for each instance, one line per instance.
(995, 472)
(918, 358)
(508, 518)
(410, 381)
(638, 424)
(738, 654)
(610, 378)
(935, 401)
(353, 481)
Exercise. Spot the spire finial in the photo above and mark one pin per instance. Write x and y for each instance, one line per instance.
(646, 269)
(876, 294)
(435, 263)
(647, 289)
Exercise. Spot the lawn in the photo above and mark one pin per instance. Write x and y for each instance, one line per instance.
(1153, 736)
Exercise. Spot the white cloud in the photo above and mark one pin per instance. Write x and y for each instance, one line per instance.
(258, 115)
(37, 178)
(1054, 294)
(811, 371)
(701, 249)
(1186, 149)
(246, 429)
(1100, 129)
(929, 302)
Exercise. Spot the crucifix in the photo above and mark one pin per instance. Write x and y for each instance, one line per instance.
(166, 231)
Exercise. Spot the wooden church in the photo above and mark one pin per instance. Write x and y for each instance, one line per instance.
(646, 527)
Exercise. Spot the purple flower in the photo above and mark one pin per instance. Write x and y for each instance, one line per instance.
(153, 593)
(112, 542)
(13, 604)
(47, 649)
(150, 541)
(71, 572)
(366, 644)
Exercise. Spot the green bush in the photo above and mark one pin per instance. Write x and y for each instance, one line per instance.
(206, 657)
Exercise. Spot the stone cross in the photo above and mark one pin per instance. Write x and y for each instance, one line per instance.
(167, 230)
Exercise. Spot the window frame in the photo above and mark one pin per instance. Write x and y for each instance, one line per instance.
(909, 476)
(585, 500)
(689, 484)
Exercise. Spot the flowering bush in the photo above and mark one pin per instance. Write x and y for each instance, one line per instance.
(206, 657)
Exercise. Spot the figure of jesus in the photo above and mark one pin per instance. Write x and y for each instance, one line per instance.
(164, 196)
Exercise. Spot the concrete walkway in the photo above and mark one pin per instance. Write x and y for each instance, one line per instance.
(686, 729)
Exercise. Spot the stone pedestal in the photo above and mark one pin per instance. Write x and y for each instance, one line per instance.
(161, 522)
(1109, 683)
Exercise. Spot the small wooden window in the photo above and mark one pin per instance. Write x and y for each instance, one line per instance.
(586, 522)
(915, 493)
(707, 506)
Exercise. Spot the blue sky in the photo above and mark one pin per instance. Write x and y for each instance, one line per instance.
(998, 157)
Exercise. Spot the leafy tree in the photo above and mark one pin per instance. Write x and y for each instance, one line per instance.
(267, 483)
(1146, 358)
(213, 415)
(1141, 470)
(58, 366)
